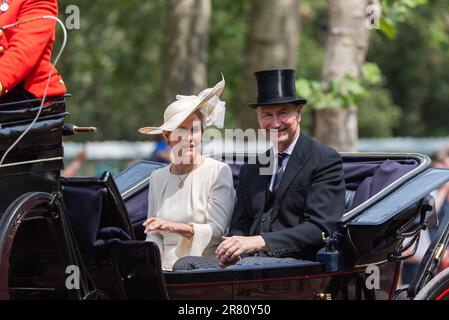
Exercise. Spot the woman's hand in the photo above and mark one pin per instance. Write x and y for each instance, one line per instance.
(158, 224)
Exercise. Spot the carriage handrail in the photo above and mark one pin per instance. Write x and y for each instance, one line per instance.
(71, 129)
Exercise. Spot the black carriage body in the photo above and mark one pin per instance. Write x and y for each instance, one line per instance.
(42, 235)
(35, 163)
(307, 280)
(49, 223)
(371, 233)
(36, 242)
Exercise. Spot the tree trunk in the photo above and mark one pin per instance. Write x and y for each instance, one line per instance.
(336, 127)
(272, 41)
(184, 51)
(347, 46)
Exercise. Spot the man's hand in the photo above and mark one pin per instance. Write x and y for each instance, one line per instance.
(230, 249)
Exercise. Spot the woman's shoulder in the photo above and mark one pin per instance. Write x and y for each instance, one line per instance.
(211, 163)
(160, 173)
(219, 172)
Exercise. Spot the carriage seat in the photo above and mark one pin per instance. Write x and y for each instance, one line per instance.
(238, 273)
(363, 180)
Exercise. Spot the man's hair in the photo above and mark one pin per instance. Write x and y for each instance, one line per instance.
(298, 107)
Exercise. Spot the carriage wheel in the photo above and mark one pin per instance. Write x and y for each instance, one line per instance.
(436, 289)
(33, 237)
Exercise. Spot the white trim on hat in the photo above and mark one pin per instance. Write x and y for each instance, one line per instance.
(177, 112)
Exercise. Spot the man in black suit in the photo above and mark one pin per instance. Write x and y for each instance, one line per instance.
(283, 207)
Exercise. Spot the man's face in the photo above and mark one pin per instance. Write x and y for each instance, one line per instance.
(281, 123)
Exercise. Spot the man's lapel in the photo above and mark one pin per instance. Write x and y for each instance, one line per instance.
(297, 161)
(259, 188)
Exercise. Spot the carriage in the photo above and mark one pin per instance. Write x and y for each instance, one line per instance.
(82, 238)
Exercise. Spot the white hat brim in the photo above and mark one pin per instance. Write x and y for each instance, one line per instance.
(174, 122)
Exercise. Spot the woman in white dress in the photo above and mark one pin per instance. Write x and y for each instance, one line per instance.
(191, 200)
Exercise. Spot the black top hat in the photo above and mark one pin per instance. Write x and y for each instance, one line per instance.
(276, 87)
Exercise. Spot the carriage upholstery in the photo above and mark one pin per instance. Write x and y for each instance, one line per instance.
(138, 210)
(364, 180)
(96, 212)
(106, 240)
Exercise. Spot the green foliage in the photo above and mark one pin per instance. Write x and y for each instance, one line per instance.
(112, 66)
(226, 46)
(371, 74)
(340, 93)
(397, 11)
(312, 39)
(377, 114)
(344, 93)
(415, 66)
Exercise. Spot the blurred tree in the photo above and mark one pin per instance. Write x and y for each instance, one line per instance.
(227, 38)
(412, 97)
(111, 67)
(415, 64)
(377, 114)
(347, 45)
(113, 64)
(185, 47)
(272, 41)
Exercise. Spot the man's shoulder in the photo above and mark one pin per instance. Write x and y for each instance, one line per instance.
(254, 162)
(319, 149)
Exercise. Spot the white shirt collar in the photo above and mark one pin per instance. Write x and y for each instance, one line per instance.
(288, 151)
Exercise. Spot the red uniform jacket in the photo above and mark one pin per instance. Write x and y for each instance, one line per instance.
(26, 54)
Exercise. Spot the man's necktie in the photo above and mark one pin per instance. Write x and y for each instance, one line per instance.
(279, 171)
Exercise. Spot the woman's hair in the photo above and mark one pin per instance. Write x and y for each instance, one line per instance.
(202, 117)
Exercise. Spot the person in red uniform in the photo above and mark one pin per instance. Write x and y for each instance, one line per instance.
(26, 51)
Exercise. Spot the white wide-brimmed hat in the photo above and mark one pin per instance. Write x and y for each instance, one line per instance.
(207, 101)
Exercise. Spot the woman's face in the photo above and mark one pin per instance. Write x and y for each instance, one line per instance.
(185, 141)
